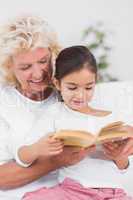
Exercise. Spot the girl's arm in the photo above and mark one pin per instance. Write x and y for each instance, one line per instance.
(45, 146)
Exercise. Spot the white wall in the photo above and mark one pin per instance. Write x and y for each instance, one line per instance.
(70, 17)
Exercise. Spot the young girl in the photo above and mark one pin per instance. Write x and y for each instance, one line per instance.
(95, 177)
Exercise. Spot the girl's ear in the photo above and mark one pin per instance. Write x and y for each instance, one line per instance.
(56, 83)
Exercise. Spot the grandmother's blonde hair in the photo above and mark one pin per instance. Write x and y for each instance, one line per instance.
(23, 34)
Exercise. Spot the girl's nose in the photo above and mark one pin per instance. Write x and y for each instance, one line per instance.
(80, 93)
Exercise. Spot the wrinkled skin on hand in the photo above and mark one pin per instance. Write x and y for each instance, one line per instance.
(72, 155)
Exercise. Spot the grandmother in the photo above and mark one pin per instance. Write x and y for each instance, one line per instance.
(28, 48)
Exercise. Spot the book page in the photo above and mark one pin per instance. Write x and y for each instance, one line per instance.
(76, 138)
(112, 126)
(113, 132)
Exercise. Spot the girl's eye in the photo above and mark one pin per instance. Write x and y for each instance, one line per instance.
(89, 88)
(72, 88)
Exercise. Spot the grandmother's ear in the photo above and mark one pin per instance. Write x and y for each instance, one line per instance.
(56, 83)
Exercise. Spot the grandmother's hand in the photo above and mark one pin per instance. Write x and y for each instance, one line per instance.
(72, 155)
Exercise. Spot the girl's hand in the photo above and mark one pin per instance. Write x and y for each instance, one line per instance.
(119, 152)
(48, 147)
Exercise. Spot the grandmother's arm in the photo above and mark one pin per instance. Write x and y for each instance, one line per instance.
(13, 175)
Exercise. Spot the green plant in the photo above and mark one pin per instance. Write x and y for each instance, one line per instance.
(95, 38)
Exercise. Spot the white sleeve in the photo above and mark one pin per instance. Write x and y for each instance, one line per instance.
(130, 166)
(5, 141)
(43, 127)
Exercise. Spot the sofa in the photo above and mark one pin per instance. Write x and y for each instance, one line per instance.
(117, 96)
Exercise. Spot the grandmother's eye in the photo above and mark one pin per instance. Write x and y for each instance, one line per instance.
(44, 61)
(25, 67)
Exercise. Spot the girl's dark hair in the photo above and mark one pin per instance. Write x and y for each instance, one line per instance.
(73, 59)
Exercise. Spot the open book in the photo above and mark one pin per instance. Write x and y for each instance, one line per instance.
(111, 132)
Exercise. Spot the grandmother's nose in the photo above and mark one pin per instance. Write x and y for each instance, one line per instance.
(38, 72)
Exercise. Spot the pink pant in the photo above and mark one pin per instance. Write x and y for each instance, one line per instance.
(71, 190)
